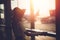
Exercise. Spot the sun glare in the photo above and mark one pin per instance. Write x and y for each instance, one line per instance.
(42, 5)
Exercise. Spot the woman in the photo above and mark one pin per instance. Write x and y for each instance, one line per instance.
(17, 26)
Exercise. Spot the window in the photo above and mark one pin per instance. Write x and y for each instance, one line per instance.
(1, 13)
(44, 13)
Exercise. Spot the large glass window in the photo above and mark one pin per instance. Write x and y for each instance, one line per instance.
(44, 14)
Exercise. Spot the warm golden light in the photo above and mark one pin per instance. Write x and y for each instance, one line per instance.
(42, 5)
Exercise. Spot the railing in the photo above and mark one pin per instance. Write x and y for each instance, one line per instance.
(34, 32)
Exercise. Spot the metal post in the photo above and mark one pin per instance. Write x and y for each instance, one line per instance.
(7, 10)
(32, 18)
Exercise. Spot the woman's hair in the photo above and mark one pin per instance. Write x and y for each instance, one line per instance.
(18, 12)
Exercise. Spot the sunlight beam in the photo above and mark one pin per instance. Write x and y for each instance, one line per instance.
(42, 5)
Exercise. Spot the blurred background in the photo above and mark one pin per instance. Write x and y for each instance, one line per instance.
(44, 15)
